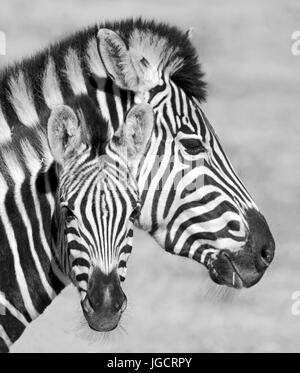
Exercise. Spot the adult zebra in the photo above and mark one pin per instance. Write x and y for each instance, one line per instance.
(192, 201)
(97, 201)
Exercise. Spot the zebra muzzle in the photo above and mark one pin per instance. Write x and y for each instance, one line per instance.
(105, 301)
(224, 272)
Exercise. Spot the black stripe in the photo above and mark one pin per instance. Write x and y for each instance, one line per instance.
(110, 99)
(12, 326)
(81, 262)
(8, 280)
(3, 347)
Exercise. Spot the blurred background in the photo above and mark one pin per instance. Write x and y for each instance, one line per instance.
(254, 105)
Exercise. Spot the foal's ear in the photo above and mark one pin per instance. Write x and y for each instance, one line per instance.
(64, 133)
(135, 133)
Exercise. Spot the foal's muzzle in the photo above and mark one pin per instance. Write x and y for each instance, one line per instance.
(105, 301)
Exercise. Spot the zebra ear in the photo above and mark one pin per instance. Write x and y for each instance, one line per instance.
(116, 59)
(126, 66)
(64, 133)
(135, 133)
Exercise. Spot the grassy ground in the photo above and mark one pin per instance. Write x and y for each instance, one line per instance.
(254, 84)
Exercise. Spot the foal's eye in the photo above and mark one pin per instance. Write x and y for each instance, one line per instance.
(135, 214)
(68, 215)
(193, 146)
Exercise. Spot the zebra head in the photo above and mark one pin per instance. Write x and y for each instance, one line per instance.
(194, 204)
(98, 201)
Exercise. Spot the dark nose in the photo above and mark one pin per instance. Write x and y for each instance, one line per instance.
(105, 292)
(105, 300)
(260, 239)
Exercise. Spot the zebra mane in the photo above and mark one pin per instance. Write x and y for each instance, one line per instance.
(167, 45)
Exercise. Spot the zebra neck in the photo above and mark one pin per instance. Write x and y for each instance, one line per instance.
(30, 277)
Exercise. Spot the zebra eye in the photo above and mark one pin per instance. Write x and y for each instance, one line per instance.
(68, 214)
(193, 146)
(135, 214)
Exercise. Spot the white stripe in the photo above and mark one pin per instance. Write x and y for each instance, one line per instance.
(94, 60)
(89, 210)
(74, 73)
(83, 286)
(124, 256)
(122, 272)
(96, 66)
(5, 337)
(101, 97)
(119, 107)
(49, 195)
(51, 89)
(80, 269)
(78, 253)
(5, 132)
(47, 159)
(22, 100)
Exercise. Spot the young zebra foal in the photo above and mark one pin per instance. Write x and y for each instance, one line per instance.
(96, 205)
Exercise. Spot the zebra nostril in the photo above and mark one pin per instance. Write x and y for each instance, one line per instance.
(124, 304)
(266, 254)
(117, 306)
(121, 305)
